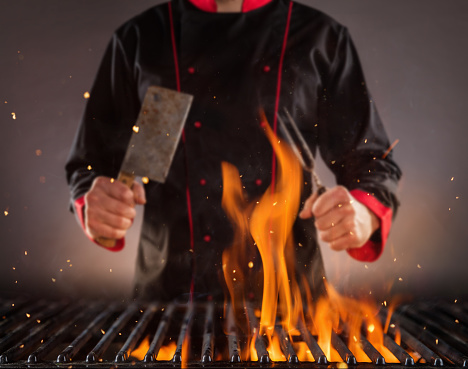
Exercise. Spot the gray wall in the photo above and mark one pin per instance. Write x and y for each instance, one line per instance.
(414, 55)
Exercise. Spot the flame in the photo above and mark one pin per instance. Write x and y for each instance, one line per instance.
(267, 224)
(185, 351)
(165, 352)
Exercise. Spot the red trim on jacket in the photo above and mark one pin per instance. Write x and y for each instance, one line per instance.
(79, 210)
(371, 250)
(211, 7)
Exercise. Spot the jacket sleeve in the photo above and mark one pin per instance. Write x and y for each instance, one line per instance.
(105, 129)
(354, 144)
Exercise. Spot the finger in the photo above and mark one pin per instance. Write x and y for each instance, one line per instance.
(306, 211)
(345, 242)
(98, 201)
(99, 230)
(333, 198)
(139, 195)
(114, 189)
(334, 233)
(334, 217)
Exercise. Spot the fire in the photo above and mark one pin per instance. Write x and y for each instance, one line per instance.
(165, 352)
(265, 225)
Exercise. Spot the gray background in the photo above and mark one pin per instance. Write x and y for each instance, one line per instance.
(414, 55)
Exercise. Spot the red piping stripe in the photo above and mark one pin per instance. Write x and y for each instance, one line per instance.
(187, 187)
(278, 90)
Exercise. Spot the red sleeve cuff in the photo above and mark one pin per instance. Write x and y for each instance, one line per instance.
(372, 250)
(79, 208)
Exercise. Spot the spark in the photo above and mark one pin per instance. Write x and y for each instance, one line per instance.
(13, 115)
(437, 341)
(102, 331)
(390, 148)
(54, 280)
(371, 328)
(28, 315)
(274, 204)
(112, 180)
(5, 212)
(68, 260)
(251, 264)
(300, 244)
(392, 325)
(452, 179)
(21, 346)
(365, 141)
(14, 268)
(89, 167)
(394, 259)
(136, 129)
(455, 301)
(385, 303)
(26, 253)
(167, 134)
(110, 270)
(400, 279)
(38, 321)
(38, 152)
(419, 266)
(365, 266)
(86, 95)
(42, 179)
(457, 321)
(145, 180)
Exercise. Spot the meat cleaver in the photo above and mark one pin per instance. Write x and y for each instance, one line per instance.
(154, 140)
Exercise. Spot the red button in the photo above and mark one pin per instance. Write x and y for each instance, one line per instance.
(197, 124)
(258, 182)
(203, 181)
(191, 70)
(266, 68)
(207, 238)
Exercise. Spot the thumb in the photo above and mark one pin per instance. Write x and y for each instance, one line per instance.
(306, 211)
(139, 193)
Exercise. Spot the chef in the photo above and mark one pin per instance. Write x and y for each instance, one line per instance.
(234, 57)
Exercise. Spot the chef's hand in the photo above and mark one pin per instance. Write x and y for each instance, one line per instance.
(110, 207)
(340, 219)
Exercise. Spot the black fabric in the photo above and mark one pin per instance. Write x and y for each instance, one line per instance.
(322, 86)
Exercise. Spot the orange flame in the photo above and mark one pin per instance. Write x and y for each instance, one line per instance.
(267, 223)
(165, 352)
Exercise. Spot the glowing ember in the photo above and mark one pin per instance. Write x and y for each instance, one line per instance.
(86, 95)
(53, 280)
(145, 180)
(390, 148)
(5, 212)
(136, 129)
(13, 115)
(38, 152)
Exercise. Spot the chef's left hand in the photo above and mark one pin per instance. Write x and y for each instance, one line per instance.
(340, 219)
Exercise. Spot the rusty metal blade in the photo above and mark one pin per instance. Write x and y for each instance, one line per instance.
(156, 133)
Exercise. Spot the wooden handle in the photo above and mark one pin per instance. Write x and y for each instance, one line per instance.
(127, 179)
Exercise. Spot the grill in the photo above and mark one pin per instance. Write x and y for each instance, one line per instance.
(45, 334)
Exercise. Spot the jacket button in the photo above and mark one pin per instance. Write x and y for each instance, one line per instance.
(203, 181)
(197, 124)
(258, 182)
(266, 68)
(207, 238)
(191, 70)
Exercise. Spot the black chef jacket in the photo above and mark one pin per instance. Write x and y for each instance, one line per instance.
(275, 55)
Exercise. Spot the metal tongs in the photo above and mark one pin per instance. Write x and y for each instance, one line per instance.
(301, 149)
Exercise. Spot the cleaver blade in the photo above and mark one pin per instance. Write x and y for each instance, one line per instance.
(154, 140)
(156, 134)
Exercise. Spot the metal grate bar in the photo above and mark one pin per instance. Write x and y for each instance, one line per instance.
(314, 348)
(286, 346)
(402, 356)
(136, 334)
(96, 353)
(262, 353)
(24, 327)
(371, 351)
(48, 346)
(208, 336)
(37, 333)
(72, 349)
(184, 331)
(159, 336)
(343, 350)
(432, 341)
(233, 341)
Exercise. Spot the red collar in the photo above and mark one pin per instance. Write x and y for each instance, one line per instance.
(210, 5)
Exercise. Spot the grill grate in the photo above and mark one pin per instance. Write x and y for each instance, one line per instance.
(45, 334)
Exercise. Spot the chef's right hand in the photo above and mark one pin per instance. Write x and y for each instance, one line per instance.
(110, 207)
